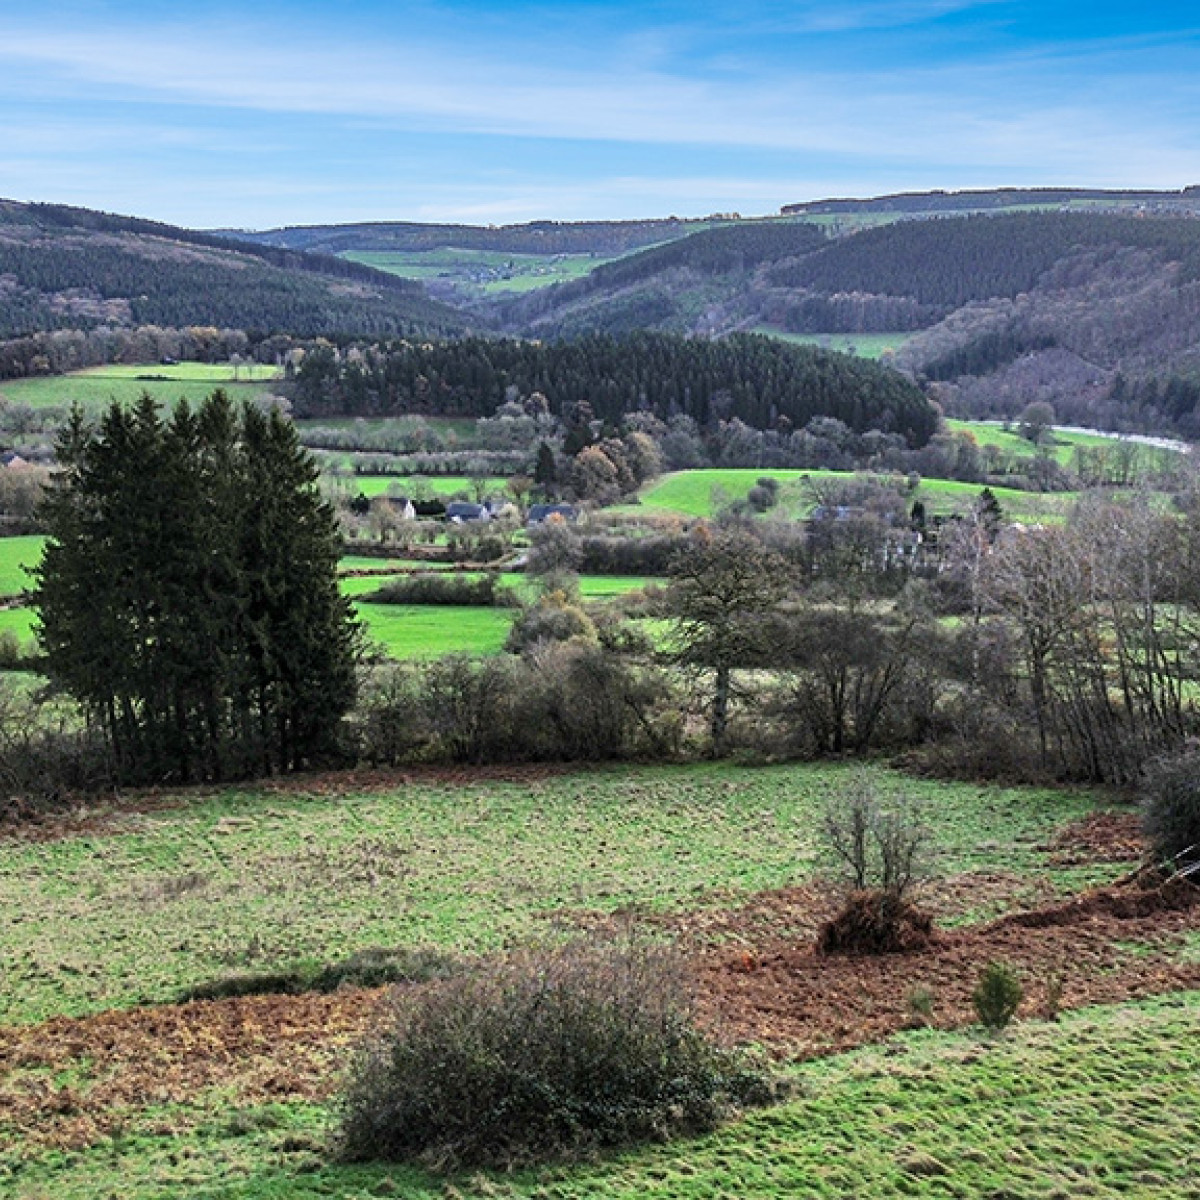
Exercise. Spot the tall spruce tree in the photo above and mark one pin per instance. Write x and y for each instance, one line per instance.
(187, 594)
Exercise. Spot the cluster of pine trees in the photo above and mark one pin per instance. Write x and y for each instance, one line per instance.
(948, 263)
(188, 594)
(758, 380)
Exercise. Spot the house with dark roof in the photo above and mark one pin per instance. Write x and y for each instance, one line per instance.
(540, 513)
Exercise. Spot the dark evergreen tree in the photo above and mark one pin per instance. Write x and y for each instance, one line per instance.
(187, 595)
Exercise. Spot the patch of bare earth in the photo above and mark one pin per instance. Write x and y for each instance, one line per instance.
(257, 1048)
(1108, 945)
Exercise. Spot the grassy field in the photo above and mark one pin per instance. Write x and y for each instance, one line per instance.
(488, 270)
(255, 879)
(1062, 447)
(700, 493)
(17, 553)
(406, 485)
(99, 386)
(864, 345)
(417, 631)
(1102, 1105)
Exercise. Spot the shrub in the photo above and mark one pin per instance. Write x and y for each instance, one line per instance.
(1171, 809)
(444, 587)
(875, 922)
(997, 995)
(881, 847)
(541, 1055)
(880, 844)
(552, 619)
(48, 755)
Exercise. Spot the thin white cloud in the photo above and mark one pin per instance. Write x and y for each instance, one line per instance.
(464, 89)
(1118, 113)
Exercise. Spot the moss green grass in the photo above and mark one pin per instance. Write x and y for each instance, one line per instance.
(251, 880)
(699, 493)
(17, 553)
(94, 389)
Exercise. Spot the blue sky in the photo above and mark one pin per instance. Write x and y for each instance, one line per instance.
(221, 114)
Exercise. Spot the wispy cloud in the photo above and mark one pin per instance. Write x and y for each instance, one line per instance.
(746, 109)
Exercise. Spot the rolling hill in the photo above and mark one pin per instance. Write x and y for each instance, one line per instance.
(69, 268)
(1098, 313)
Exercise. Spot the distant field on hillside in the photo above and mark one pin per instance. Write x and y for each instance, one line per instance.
(406, 485)
(1062, 447)
(249, 372)
(864, 345)
(487, 269)
(99, 386)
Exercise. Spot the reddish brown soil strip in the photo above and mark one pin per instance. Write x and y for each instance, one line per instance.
(260, 1048)
(800, 1004)
(1099, 837)
(1105, 946)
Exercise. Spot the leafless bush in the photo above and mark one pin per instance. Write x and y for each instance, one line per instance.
(542, 1055)
(879, 842)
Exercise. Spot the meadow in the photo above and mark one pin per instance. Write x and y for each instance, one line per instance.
(215, 882)
(1061, 446)
(417, 485)
(109, 922)
(17, 553)
(864, 345)
(97, 387)
(701, 493)
(488, 270)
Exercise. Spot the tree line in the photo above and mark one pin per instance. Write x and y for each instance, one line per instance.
(758, 380)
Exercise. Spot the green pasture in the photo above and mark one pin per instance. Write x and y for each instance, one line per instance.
(1101, 1104)
(701, 493)
(364, 562)
(591, 587)
(409, 485)
(416, 631)
(100, 386)
(1062, 445)
(245, 879)
(192, 372)
(864, 345)
(489, 270)
(17, 553)
(18, 621)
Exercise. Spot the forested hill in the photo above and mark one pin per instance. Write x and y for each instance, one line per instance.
(759, 380)
(995, 199)
(537, 237)
(68, 268)
(1099, 313)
